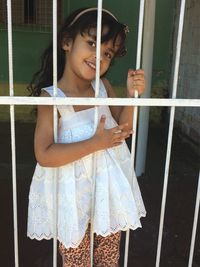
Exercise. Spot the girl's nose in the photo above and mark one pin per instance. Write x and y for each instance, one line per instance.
(101, 57)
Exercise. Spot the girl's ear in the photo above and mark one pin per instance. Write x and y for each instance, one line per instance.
(67, 44)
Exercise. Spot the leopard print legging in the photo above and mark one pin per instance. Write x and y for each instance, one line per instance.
(106, 251)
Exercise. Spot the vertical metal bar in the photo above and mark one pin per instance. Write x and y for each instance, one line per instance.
(98, 55)
(98, 49)
(135, 113)
(194, 229)
(147, 62)
(55, 122)
(12, 122)
(140, 32)
(170, 133)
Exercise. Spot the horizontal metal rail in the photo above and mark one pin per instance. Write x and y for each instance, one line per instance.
(157, 102)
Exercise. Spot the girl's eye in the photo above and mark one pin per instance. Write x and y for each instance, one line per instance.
(108, 55)
(92, 43)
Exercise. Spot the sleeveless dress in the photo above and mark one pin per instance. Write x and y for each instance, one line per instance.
(117, 206)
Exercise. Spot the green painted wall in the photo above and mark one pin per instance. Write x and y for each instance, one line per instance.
(164, 26)
(27, 49)
(28, 45)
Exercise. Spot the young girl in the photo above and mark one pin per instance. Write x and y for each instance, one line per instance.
(117, 208)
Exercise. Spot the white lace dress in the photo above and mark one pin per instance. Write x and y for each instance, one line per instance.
(117, 207)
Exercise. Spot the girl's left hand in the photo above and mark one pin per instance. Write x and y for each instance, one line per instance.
(135, 81)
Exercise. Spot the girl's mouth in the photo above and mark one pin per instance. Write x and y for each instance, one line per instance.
(91, 65)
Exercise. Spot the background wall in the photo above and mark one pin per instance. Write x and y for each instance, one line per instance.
(31, 39)
(188, 119)
(29, 42)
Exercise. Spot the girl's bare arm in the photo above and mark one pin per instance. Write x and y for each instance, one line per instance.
(121, 114)
(135, 81)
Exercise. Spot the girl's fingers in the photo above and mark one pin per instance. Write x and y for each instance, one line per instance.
(138, 83)
(120, 141)
(119, 128)
(140, 80)
(140, 71)
(136, 88)
(118, 137)
(121, 136)
(132, 72)
(102, 122)
(135, 82)
(138, 76)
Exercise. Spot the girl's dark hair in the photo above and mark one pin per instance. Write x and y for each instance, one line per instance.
(87, 21)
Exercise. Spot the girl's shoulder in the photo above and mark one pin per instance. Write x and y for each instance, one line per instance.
(47, 91)
(108, 87)
(44, 93)
(104, 87)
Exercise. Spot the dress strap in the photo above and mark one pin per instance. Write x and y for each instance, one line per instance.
(63, 110)
(102, 89)
(49, 90)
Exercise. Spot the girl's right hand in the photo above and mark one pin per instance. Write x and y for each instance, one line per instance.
(106, 138)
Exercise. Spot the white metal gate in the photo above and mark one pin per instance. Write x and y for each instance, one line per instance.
(172, 103)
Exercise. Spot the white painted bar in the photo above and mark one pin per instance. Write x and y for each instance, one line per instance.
(59, 101)
(97, 82)
(12, 122)
(14, 184)
(194, 229)
(147, 63)
(135, 113)
(170, 133)
(10, 48)
(140, 34)
(98, 47)
(55, 127)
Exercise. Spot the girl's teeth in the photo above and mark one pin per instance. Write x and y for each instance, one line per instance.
(91, 65)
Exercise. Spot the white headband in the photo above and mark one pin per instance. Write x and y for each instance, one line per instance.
(88, 10)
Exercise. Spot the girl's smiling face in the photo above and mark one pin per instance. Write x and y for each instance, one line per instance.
(81, 54)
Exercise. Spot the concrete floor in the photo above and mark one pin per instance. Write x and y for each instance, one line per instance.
(143, 242)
